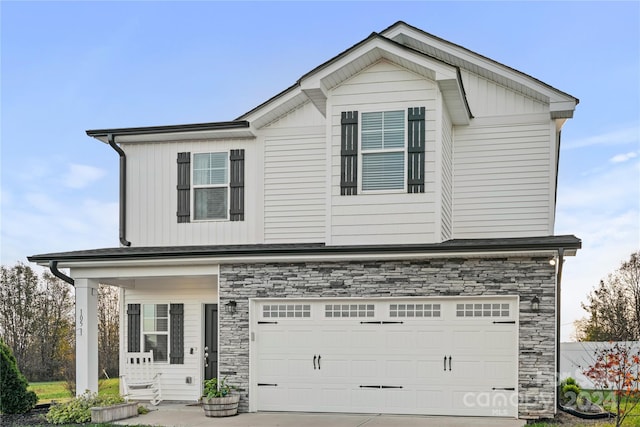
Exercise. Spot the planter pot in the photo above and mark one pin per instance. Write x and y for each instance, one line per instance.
(105, 414)
(221, 406)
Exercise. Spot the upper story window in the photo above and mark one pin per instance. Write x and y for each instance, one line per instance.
(383, 150)
(210, 186)
(216, 180)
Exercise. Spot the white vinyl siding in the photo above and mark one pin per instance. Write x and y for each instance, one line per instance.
(487, 98)
(174, 386)
(294, 188)
(502, 180)
(383, 218)
(152, 196)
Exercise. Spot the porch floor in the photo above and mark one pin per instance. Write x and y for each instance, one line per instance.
(180, 414)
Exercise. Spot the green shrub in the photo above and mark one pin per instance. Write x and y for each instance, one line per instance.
(215, 388)
(14, 396)
(78, 410)
(569, 394)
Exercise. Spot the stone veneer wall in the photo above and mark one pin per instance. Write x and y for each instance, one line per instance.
(526, 277)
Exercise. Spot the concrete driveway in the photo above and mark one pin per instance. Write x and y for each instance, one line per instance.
(178, 415)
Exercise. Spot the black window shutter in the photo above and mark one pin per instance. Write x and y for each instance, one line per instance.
(236, 185)
(133, 328)
(416, 145)
(349, 153)
(184, 187)
(176, 319)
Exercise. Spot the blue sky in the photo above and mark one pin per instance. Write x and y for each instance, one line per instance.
(72, 66)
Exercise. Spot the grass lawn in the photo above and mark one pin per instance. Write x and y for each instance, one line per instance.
(602, 398)
(56, 390)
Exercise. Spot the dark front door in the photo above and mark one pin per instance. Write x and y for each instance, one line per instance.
(210, 341)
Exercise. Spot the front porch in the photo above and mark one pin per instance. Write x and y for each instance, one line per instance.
(176, 317)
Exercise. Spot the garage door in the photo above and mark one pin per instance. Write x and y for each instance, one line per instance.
(414, 356)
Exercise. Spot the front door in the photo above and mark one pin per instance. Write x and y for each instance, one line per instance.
(210, 341)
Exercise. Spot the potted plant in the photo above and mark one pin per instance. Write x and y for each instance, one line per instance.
(218, 400)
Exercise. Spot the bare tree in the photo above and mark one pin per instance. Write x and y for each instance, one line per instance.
(36, 321)
(108, 329)
(18, 311)
(614, 306)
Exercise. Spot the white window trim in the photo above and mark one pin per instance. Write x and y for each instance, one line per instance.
(168, 333)
(383, 150)
(194, 187)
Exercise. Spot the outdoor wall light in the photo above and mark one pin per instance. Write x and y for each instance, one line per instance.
(535, 304)
(230, 307)
(552, 261)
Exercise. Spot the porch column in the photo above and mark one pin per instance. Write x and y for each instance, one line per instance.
(86, 335)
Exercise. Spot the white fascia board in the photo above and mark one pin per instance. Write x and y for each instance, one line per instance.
(367, 54)
(277, 108)
(562, 109)
(129, 272)
(478, 60)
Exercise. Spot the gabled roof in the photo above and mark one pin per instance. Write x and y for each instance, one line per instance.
(562, 104)
(314, 85)
(417, 51)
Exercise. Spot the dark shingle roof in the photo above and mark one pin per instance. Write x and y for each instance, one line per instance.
(223, 251)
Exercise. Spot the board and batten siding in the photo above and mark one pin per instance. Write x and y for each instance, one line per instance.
(502, 175)
(152, 196)
(447, 176)
(487, 98)
(173, 378)
(383, 218)
(295, 177)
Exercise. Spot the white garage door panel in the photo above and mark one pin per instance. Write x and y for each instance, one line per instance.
(405, 358)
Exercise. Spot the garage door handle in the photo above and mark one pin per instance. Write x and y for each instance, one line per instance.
(318, 362)
(445, 363)
(504, 388)
(314, 361)
(449, 362)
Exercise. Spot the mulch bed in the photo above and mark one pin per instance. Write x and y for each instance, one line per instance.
(35, 417)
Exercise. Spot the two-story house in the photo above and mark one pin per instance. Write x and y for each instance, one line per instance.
(378, 237)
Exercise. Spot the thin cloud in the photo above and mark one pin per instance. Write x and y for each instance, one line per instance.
(621, 158)
(81, 176)
(617, 137)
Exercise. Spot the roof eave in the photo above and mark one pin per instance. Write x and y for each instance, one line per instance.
(241, 128)
(570, 244)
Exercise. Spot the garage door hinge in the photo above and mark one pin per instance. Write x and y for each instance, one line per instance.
(380, 386)
(267, 323)
(378, 322)
(504, 388)
(267, 385)
(512, 322)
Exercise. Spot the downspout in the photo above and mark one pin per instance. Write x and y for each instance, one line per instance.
(558, 293)
(53, 266)
(123, 189)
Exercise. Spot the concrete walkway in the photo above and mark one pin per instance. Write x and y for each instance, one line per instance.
(178, 415)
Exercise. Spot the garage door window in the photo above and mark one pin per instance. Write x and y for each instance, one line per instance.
(286, 310)
(414, 310)
(482, 310)
(349, 310)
